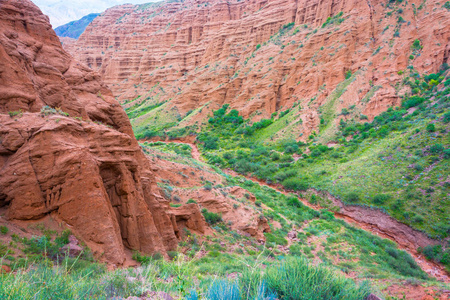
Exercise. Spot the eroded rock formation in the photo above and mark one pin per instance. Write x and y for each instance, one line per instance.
(264, 56)
(67, 148)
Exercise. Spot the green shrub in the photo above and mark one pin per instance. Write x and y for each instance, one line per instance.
(336, 155)
(326, 215)
(142, 259)
(352, 197)
(314, 199)
(345, 112)
(446, 117)
(316, 153)
(380, 199)
(412, 101)
(4, 230)
(262, 124)
(436, 253)
(431, 127)
(208, 186)
(295, 250)
(348, 74)
(403, 263)
(295, 184)
(293, 201)
(283, 175)
(3, 250)
(13, 114)
(447, 153)
(210, 217)
(436, 149)
(336, 19)
(272, 238)
(43, 246)
(211, 143)
(416, 45)
(418, 167)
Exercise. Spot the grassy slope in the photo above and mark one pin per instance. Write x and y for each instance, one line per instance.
(393, 157)
(321, 237)
(336, 246)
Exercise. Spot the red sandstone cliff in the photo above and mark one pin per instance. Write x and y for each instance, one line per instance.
(66, 146)
(192, 52)
(67, 152)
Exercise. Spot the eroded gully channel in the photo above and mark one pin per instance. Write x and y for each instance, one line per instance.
(372, 220)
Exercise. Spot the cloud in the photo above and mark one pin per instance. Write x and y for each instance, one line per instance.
(61, 12)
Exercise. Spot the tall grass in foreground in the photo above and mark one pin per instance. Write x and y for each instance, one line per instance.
(295, 278)
(291, 278)
(73, 279)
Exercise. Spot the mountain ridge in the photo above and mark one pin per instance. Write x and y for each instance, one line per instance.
(75, 28)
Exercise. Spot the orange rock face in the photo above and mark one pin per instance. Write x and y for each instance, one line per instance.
(263, 56)
(67, 148)
(186, 183)
(5, 269)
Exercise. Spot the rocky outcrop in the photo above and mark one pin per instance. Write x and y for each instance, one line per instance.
(183, 184)
(73, 248)
(264, 56)
(67, 148)
(188, 216)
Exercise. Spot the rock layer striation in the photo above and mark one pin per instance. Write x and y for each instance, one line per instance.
(67, 148)
(264, 56)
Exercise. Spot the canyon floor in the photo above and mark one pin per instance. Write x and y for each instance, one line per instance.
(257, 149)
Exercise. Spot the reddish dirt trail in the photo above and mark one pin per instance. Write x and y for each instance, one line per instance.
(188, 141)
(367, 219)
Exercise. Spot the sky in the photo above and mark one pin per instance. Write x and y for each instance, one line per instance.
(65, 11)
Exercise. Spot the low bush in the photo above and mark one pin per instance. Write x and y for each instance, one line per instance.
(412, 102)
(436, 148)
(293, 201)
(431, 127)
(352, 197)
(274, 238)
(380, 199)
(295, 184)
(4, 229)
(210, 217)
(436, 253)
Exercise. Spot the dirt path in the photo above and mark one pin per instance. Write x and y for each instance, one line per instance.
(189, 141)
(372, 220)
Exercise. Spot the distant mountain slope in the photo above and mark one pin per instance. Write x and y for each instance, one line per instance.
(75, 28)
